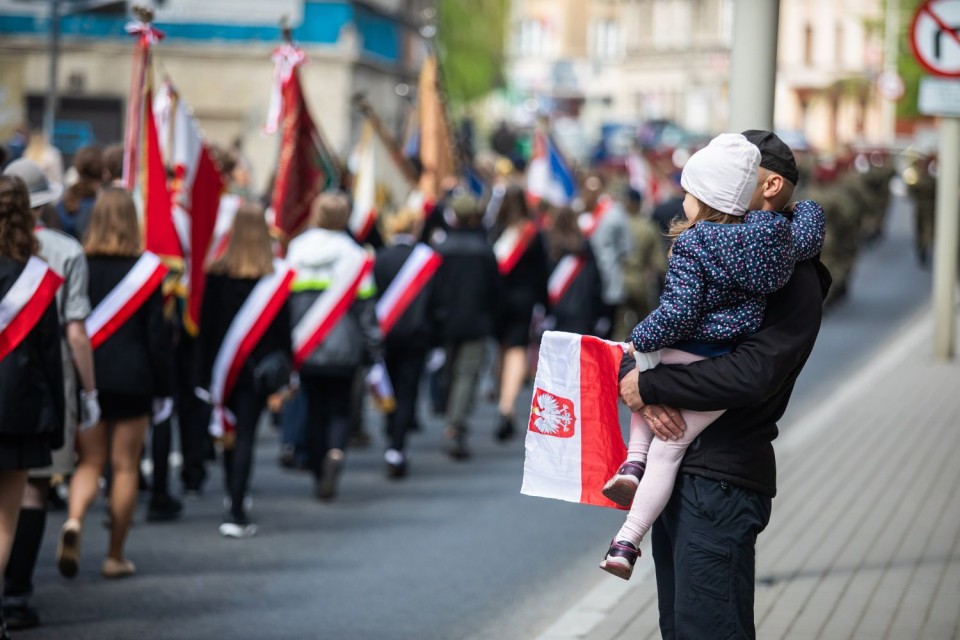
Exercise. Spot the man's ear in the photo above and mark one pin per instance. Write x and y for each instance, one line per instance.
(772, 186)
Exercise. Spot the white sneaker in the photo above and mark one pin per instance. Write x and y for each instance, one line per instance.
(237, 530)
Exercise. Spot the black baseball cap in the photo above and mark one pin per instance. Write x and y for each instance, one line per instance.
(775, 155)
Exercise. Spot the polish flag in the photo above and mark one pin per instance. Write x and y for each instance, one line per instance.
(416, 272)
(197, 186)
(512, 244)
(563, 275)
(574, 443)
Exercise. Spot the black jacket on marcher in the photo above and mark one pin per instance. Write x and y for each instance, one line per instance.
(222, 298)
(582, 305)
(467, 287)
(753, 383)
(138, 358)
(31, 376)
(415, 329)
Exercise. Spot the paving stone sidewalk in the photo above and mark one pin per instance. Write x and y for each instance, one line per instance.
(864, 540)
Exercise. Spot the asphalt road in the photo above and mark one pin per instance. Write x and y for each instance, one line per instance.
(453, 551)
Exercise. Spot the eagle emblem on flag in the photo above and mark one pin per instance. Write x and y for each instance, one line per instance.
(552, 415)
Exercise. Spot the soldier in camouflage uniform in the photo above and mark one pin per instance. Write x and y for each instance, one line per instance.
(642, 270)
(877, 180)
(922, 186)
(843, 211)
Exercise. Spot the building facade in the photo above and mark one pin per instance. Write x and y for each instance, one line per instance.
(627, 61)
(218, 55)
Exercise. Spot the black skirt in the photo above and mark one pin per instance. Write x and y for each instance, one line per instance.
(124, 406)
(24, 452)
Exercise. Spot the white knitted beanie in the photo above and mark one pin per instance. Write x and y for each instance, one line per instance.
(723, 174)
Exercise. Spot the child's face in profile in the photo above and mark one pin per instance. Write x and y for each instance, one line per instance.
(691, 207)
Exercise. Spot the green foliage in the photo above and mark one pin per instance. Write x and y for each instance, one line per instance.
(907, 66)
(470, 42)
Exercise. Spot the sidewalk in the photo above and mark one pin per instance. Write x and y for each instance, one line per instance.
(864, 540)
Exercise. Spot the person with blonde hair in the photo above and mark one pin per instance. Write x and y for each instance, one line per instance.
(133, 367)
(330, 266)
(31, 375)
(404, 271)
(232, 296)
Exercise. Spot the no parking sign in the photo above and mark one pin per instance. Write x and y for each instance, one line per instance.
(935, 37)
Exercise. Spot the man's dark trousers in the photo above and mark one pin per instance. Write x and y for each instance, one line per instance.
(704, 550)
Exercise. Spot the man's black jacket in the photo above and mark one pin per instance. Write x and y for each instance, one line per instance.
(753, 383)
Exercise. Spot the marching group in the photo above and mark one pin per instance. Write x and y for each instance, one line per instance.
(94, 354)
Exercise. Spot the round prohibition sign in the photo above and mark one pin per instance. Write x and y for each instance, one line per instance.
(935, 37)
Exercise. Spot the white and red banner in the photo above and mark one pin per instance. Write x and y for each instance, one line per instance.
(416, 272)
(364, 214)
(327, 310)
(122, 302)
(574, 443)
(25, 303)
(248, 326)
(197, 186)
(286, 58)
(562, 276)
(512, 244)
(590, 221)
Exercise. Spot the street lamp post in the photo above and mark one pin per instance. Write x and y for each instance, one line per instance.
(753, 64)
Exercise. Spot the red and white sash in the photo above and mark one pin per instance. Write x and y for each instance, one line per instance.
(563, 275)
(123, 301)
(512, 244)
(248, 326)
(25, 303)
(413, 276)
(326, 311)
(590, 221)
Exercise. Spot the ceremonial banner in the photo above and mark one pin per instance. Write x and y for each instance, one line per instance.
(574, 443)
(413, 276)
(197, 186)
(123, 301)
(306, 166)
(435, 139)
(248, 326)
(563, 275)
(327, 310)
(364, 214)
(512, 244)
(25, 303)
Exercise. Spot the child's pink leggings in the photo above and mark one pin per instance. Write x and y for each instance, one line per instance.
(662, 459)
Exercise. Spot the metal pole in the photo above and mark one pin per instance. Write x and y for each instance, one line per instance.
(888, 108)
(946, 240)
(753, 64)
(50, 108)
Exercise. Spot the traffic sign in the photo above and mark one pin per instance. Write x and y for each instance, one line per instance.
(935, 37)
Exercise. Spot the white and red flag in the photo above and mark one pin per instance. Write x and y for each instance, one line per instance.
(25, 303)
(512, 244)
(562, 276)
(122, 302)
(197, 186)
(326, 311)
(416, 272)
(364, 214)
(590, 221)
(574, 443)
(251, 322)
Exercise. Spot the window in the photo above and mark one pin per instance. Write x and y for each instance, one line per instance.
(604, 39)
(808, 45)
(838, 46)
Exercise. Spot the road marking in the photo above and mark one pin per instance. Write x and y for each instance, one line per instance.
(589, 612)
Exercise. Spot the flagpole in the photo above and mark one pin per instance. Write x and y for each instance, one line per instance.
(363, 105)
(132, 144)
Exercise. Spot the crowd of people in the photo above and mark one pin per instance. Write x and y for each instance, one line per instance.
(111, 367)
(93, 333)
